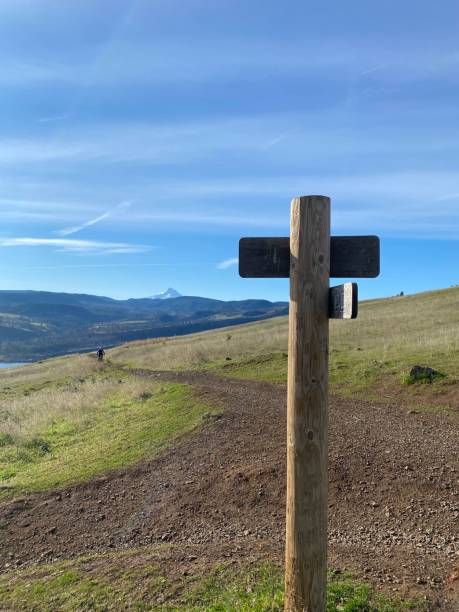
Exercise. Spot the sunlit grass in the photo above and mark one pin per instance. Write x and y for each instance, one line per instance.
(110, 420)
(35, 376)
(138, 580)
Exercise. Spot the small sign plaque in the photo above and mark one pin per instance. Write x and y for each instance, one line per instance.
(344, 301)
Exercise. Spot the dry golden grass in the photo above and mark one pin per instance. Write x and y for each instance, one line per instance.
(424, 324)
(22, 417)
(205, 348)
(48, 371)
(389, 337)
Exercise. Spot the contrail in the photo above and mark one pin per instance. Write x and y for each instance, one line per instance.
(223, 265)
(67, 231)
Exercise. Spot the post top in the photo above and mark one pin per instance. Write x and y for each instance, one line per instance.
(311, 197)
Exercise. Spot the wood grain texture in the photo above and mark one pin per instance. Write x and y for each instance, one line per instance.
(350, 257)
(306, 517)
(344, 301)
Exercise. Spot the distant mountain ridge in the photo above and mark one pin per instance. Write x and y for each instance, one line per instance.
(39, 324)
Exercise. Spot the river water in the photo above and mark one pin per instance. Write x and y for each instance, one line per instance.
(11, 365)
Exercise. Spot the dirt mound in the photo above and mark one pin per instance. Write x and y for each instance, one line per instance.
(393, 492)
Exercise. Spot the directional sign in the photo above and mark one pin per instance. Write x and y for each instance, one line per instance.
(344, 301)
(350, 257)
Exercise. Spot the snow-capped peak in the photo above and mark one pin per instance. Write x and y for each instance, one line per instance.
(165, 295)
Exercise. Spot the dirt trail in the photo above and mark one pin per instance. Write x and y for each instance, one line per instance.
(393, 499)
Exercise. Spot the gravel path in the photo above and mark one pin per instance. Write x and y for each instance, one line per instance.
(393, 499)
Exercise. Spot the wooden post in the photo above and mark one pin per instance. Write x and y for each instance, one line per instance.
(307, 411)
(309, 257)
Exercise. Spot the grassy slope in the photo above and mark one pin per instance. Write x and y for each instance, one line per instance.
(111, 419)
(368, 356)
(140, 580)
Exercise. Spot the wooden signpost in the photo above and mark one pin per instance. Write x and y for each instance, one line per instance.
(309, 257)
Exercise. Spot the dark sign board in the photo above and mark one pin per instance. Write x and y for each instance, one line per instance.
(350, 257)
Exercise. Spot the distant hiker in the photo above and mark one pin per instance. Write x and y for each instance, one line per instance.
(100, 354)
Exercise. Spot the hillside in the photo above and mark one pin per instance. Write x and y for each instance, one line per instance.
(371, 355)
(36, 324)
(179, 501)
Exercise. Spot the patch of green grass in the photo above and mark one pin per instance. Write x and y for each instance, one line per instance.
(139, 580)
(351, 373)
(348, 374)
(129, 423)
(258, 590)
(346, 594)
(271, 367)
(71, 586)
(68, 590)
(262, 589)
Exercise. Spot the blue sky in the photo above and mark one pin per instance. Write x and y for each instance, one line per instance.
(140, 140)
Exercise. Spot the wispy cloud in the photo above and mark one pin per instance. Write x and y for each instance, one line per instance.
(374, 70)
(274, 141)
(414, 188)
(228, 263)
(412, 203)
(75, 246)
(42, 150)
(42, 205)
(281, 135)
(55, 118)
(118, 265)
(78, 228)
(171, 62)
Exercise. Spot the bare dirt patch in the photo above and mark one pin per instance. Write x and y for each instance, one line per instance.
(393, 501)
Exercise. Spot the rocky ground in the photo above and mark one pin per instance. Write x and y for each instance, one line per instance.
(393, 499)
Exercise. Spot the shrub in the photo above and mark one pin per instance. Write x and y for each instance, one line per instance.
(5, 439)
(38, 444)
(422, 374)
